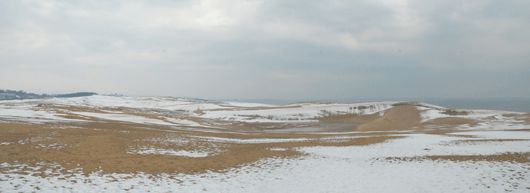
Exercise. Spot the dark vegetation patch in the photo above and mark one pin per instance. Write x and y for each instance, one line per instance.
(504, 157)
(18, 95)
(405, 104)
(454, 112)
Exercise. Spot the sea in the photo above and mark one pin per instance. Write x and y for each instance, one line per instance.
(506, 104)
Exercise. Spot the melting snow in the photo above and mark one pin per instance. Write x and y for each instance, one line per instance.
(325, 169)
(170, 152)
(124, 117)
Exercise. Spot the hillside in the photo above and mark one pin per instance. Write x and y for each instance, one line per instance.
(20, 95)
(116, 143)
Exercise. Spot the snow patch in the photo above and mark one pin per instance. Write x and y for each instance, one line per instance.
(124, 117)
(251, 141)
(169, 152)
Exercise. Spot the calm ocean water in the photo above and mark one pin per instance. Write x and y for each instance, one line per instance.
(507, 104)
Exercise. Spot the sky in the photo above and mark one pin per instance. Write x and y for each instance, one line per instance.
(274, 49)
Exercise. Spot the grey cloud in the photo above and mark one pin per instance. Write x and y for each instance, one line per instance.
(267, 49)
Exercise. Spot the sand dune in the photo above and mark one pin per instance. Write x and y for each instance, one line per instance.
(102, 143)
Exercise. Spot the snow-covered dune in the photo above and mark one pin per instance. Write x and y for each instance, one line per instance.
(162, 111)
(166, 144)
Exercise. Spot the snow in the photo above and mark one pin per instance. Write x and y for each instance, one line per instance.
(124, 117)
(319, 169)
(302, 112)
(278, 149)
(429, 176)
(140, 119)
(170, 152)
(165, 103)
(228, 111)
(237, 111)
(252, 141)
(28, 114)
(431, 106)
(245, 104)
(428, 114)
(184, 122)
(497, 134)
(416, 144)
(324, 169)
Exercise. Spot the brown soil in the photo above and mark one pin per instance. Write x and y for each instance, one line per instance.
(403, 116)
(443, 132)
(253, 108)
(527, 118)
(104, 147)
(410, 103)
(451, 121)
(349, 118)
(108, 146)
(523, 117)
(311, 102)
(397, 118)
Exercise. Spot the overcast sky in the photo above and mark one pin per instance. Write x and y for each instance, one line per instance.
(268, 49)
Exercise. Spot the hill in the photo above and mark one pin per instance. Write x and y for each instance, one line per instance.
(19, 95)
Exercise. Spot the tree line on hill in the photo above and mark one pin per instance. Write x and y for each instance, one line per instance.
(17, 95)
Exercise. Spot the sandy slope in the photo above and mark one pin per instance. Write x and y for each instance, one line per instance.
(103, 143)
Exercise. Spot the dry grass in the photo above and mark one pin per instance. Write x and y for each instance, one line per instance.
(522, 117)
(349, 118)
(455, 112)
(397, 118)
(403, 116)
(451, 121)
(505, 157)
(526, 118)
(105, 146)
(479, 141)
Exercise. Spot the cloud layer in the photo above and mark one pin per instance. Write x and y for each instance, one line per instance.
(268, 49)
